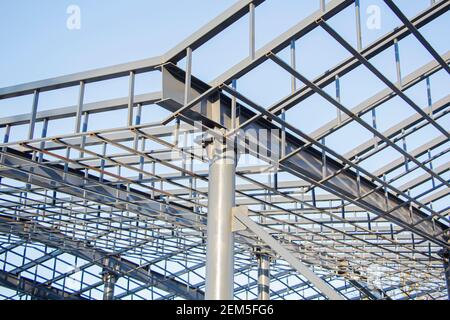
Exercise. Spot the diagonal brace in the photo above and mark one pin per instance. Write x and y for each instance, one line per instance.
(241, 214)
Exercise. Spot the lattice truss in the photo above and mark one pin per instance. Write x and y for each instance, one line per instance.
(117, 186)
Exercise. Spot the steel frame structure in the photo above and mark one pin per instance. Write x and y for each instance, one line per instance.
(145, 210)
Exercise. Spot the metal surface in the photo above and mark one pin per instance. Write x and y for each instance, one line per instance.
(263, 276)
(109, 281)
(284, 253)
(220, 239)
(140, 207)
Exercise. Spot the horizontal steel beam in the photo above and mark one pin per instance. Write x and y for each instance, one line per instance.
(325, 288)
(369, 52)
(71, 111)
(21, 167)
(417, 34)
(120, 70)
(34, 289)
(297, 31)
(211, 29)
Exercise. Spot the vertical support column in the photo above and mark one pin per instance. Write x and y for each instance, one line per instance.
(252, 31)
(187, 89)
(220, 238)
(131, 98)
(79, 107)
(84, 129)
(33, 114)
(433, 181)
(109, 281)
(445, 255)
(7, 133)
(324, 161)
(405, 148)
(293, 89)
(294, 66)
(338, 98)
(263, 276)
(358, 25)
(322, 5)
(138, 117)
(397, 62)
(233, 106)
(429, 98)
(43, 135)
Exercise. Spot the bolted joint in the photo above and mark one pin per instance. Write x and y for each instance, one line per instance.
(204, 140)
(109, 276)
(259, 251)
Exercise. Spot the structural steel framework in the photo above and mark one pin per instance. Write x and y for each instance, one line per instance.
(168, 209)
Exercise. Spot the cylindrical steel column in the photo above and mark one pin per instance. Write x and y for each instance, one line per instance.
(447, 274)
(220, 239)
(263, 276)
(109, 281)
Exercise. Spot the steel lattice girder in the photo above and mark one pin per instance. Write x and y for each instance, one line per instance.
(34, 288)
(34, 232)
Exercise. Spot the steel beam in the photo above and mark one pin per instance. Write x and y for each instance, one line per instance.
(76, 184)
(369, 52)
(382, 77)
(371, 294)
(34, 289)
(220, 238)
(313, 162)
(300, 29)
(417, 34)
(324, 287)
(109, 282)
(380, 98)
(33, 231)
(445, 255)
